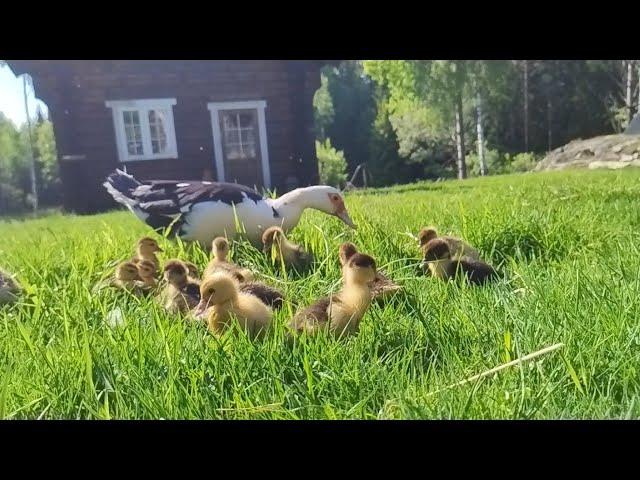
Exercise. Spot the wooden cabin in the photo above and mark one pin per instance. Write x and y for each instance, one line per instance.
(244, 121)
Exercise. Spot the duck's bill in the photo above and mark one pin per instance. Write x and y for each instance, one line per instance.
(200, 308)
(344, 216)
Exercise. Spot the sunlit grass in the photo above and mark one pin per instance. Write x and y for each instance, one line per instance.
(568, 242)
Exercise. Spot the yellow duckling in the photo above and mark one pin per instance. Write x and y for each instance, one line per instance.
(10, 289)
(274, 240)
(219, 262)
(341, 313)
(220, 291)
(181, 294)
(382, 286)
(146, 249)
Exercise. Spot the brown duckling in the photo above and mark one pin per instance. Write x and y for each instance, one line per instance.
(181, 294)
(457, 246)
(148, 272)
(127, 277)
(382, 286)
(194, 273)
(442, 264)
(146, 249)
(219, 262)
(220, 292)
(10, 289)
(341, 313)
(268, 295)
(292, 255)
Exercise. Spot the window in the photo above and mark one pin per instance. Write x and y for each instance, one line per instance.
(239, 134)
(144, 128)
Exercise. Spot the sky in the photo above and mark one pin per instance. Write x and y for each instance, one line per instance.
(12, 97)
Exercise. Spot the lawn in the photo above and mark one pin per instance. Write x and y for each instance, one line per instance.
(568, 242)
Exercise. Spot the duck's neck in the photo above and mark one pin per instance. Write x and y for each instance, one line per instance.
(356, 295)
(291, 205)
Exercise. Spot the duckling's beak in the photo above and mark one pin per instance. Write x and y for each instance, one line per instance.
(344, 216)
(201, 307)
(158, 249)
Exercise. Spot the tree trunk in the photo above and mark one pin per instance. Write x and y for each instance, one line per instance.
(462, 165)
(32, 164)
(483, 163)
(548, 124)
(629, 97)
(526, 105)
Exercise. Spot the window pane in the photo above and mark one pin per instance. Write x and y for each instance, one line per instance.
(249, 136)
(229, 120)
(231, 136)
(133, 133)
(158, 131)
(233, 152)
(246, 120)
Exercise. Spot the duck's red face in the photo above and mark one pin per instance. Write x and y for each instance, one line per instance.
(339, 209)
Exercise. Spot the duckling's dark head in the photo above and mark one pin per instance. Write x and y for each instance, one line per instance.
(346, 251)
(426, 235)
(175, 272)
(436, 249)
(192, 269)
(360, 268)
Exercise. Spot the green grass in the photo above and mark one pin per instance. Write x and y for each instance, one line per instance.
(567, 240)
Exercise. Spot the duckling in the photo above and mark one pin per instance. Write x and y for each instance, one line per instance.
(10, 289)
(268, 295)
(146, 249)
(181, 294)
(128, 278)
(194, 273)
(457, 246)
(442, 264)
(220, 290)
(382, 286)
(219, 262)
(148, 272)
(285, 251)
(341, 312)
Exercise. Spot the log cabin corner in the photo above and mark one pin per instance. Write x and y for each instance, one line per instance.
(244, 121)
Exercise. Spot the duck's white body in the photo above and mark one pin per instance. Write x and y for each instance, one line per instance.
(200, 211)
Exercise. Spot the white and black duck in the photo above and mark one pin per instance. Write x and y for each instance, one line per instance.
(200, 210)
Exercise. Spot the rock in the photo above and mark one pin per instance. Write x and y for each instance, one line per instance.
(608, 151)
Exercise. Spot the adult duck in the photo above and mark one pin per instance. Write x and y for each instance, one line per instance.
(200, 210)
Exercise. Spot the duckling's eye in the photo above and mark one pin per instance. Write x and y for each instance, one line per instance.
(335, 198)
(211, 291)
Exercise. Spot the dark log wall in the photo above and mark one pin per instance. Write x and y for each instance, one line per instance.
(76, 91)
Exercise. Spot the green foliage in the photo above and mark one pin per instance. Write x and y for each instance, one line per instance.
(502, 163)
(15, 158)
(567, 242)
(331, 163)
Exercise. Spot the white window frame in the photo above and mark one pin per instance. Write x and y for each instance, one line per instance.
(259, 105)
(143, 106)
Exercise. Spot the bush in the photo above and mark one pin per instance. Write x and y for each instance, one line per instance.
(501, 163)
(523, 162)
(332, 164)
